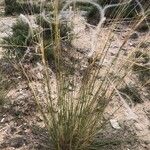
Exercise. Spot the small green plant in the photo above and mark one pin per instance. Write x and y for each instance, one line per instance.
(9, 6)
(23, 40)
(17, 44)
(14, 7)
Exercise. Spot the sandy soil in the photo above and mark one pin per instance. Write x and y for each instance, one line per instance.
(21, 127)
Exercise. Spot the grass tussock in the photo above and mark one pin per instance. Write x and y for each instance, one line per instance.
(73, 107)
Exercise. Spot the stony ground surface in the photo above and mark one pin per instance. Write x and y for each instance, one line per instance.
(21, 127)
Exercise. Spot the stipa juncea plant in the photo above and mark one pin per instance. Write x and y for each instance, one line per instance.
(72, 108)
(48, 27)
(75, 117)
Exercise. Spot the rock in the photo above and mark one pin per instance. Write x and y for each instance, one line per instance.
(2, 120)
(134, 35)
(147, 142)
(115, 124)
(112, 54)
(13, 129)
(39, 75)
(138, 127)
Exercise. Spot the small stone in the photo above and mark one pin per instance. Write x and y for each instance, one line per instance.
(124, 49)
(112, 54)
(12, 130)
(2, 120)
(132, 44)
(39, 75)
(115, 124)
(138, 127)
(39, 119)
(125, 54)
(70, 88)
(147, 142)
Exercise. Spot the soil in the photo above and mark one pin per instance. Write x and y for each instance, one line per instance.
(21, 126)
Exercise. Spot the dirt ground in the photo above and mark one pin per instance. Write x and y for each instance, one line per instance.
(22, 128)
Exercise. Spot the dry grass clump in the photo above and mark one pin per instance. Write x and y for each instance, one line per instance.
(74, 114)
